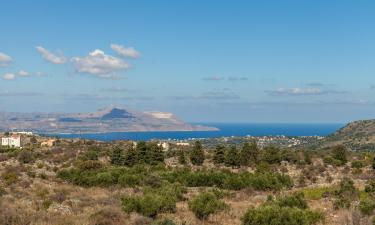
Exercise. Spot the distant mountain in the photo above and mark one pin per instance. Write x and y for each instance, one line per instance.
(358, 135)
(111, 119)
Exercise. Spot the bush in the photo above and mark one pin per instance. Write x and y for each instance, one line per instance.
(9, 177)
(294, 200)
(345, 194)
(357, 164)
(339, 153)
(90, 165)
(129, 180)
(291, 210)
(370, 187)
(230, 180)
(205, 204)
(276, 215)
(154, 201)
(367, 206)
(25, 156)
(107, 216)
(164, 222)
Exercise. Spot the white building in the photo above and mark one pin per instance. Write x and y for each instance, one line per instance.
(12, 141)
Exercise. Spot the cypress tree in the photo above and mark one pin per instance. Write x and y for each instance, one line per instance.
(181, 157)
(143, 153)
(249, 154)
(232, 157)
(197, 154)
(219, 154)
(131, 157)
(155, 152)
(117, 156)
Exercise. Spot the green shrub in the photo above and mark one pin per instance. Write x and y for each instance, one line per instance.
(345, 194)
(129, 180)
(9, 178)
(154, 201)
(276, 215)
(358, 164)
(294, 200)
(229, 180)
(370, 186)
(291, 210)
(367, 206)
(90, 165)
(2, 191)
(205, 204)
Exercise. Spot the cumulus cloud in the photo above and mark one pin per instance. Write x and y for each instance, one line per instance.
(19, 94)
(219, 78)
(115, 89)
(47, 55)
(302, 91)
(99, 64)
(5, 60)
(125, 51)
(237, 78)
(222, 94)
(9, 76)
(23, 73)
(213, 78)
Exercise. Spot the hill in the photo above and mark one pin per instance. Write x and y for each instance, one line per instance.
(357, 135)
(111, 119)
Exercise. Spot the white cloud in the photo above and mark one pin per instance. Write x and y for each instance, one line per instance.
(23, 73)
(51, 57)
(303, 91)
(9, 76)
(5, 60)
(100, 64)
(125, 51)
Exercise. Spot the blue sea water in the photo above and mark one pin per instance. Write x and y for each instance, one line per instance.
(226, 130)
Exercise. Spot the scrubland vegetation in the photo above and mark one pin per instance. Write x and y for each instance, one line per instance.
(95, 183)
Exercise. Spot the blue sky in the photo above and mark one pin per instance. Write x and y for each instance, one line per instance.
(212, 61)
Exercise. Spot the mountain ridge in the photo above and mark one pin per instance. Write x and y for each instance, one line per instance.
(109, 119)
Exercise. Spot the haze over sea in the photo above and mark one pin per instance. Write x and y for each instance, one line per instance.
(226, 130)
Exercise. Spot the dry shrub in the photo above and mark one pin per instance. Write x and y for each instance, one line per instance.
(12, 216)
(107, 216)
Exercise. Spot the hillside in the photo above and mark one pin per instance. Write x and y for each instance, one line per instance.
(111, 119)
(357, 135)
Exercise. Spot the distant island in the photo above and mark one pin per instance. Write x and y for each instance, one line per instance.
(110, 119)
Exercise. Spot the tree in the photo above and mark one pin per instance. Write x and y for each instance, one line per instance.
(232, 157)
(249, 154)
(219, 154)
(143, 156)
(271, 155)
(117, 156)
(181, 157)
(131, 157)
(155, 153)
(197, 154)
(339, 153)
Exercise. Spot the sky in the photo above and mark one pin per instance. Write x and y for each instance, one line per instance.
(302, 61)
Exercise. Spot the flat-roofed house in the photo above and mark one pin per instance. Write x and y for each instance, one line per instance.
(12, 141)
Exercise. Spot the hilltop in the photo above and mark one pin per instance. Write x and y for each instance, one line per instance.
(357, 135)
(110, 119)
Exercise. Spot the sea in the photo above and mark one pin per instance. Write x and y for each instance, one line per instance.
(225, 130)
